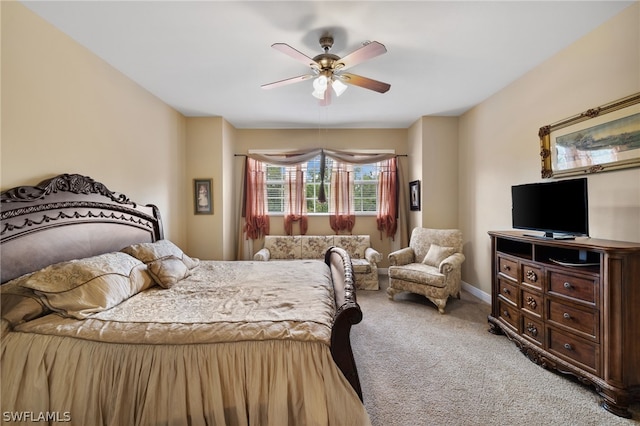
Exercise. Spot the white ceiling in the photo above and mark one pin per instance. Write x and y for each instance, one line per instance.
(209, 58)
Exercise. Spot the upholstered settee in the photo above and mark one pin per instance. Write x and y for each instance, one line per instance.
(364, 258)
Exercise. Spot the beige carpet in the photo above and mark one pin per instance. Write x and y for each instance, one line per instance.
(418, 367)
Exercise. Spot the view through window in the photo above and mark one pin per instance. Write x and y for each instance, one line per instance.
(365, 187)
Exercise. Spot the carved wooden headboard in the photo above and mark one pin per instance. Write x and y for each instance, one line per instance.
(67, 217)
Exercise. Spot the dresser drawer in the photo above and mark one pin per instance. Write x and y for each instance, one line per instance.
(508, 290)
(532, 276)
(532, 302)
(578, 287)
(533, 329)
(580, 320)
(508, 267)
(578, 351)
(509, 313)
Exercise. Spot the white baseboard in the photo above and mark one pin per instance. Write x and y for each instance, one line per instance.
(485, 297)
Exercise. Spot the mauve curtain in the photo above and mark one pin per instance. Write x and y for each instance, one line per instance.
(256, 214)
(387, 215)
(341, 209)
(342, 216)
(295, 200)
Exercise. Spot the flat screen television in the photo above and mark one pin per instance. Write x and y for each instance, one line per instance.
(559, 208)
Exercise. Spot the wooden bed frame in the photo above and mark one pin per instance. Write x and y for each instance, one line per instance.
(71, 216)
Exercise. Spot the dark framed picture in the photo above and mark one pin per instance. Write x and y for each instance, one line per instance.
(202, 196)
(414, 195)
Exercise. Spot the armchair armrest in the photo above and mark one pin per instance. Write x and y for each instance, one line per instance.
(372, 255)
(452, 262)
(263, 254)
(404, 256)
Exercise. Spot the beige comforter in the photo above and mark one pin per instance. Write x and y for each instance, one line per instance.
(228, 345)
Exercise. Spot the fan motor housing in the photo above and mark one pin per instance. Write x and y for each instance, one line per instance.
(327, 61)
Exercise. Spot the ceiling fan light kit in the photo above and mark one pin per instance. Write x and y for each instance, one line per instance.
(328, 69)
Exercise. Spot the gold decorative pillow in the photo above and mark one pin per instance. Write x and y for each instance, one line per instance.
(148, 252)
(437, 254)
(168, 271)
(19, 304)
(81, 287)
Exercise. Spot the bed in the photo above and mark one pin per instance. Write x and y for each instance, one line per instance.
(104, 321)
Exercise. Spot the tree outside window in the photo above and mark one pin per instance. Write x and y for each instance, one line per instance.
(365, 187)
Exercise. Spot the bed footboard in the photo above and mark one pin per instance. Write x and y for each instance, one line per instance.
(348, 313)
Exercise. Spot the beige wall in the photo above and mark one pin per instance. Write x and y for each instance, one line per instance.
(210, 146)
(499, 146)
(439, 172)
(230, 201)
(433, 160)
(204, 146)
(414, 172)
(64, 110)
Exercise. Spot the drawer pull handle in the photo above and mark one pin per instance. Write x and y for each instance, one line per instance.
(566, 315)
(531, 276)
(505, 290)
(505, 313)
(567, 285)
(506, 267)
(568, 346)
(532, 329)
(532, 302)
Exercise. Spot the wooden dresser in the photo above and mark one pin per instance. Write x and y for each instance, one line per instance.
(572, 306)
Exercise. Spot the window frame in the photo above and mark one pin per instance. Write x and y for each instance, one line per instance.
(315, 183)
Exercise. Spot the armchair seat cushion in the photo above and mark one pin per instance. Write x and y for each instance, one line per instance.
(361, 266)
(418, 273)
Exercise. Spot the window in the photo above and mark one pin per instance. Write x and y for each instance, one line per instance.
(312, 184)
(365, 190)
(275, 189)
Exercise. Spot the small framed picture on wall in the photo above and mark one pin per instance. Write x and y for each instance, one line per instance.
(414, 195)
(203, 198)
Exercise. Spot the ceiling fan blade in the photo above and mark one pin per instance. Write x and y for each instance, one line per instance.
(362, 54)
(295, 54)
(367, 83)
(287, 81)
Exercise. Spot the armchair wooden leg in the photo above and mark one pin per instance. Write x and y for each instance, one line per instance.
(440, 303)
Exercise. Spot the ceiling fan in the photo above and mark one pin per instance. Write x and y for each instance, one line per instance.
(328, 69)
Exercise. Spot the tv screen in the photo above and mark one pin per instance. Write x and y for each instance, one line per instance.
(552, 207)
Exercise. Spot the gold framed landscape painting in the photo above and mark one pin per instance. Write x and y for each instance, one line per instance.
(600, 139)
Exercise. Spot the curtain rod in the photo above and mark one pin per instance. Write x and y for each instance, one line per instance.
(244, 155)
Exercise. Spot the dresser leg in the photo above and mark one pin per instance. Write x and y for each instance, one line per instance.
(621, 410)
(493, 328)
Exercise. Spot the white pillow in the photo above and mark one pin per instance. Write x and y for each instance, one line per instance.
(167, 271)
(81, 287)
(437, 254)
(19, 304)
(148, 252)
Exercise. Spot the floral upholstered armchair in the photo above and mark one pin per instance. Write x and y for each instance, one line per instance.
(430, 266)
